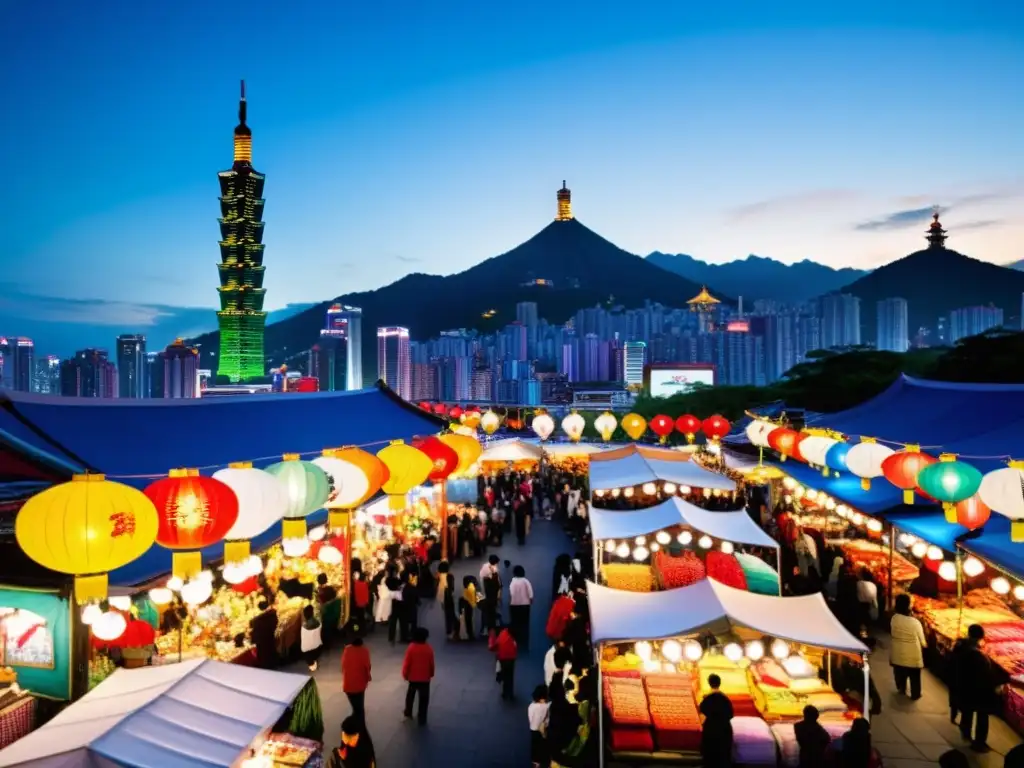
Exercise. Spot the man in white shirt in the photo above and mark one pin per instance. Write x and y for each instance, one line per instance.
(520, 592)
(489, 568)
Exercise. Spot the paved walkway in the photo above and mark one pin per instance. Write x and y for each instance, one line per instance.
(469, 725)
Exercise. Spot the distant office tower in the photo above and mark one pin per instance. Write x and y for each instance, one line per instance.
(634, 357)
(840, 321)
(17, 363)
(970, 321)
(393, 362)
(591, 363)
(570, 363)
(241, 317)
(131, 366)
(526, 313)
(342, 341)
(181, 371)
(424, 381)
(88, 374)
(893, 330)
(564, 204)
(155, 374)
(48, 375)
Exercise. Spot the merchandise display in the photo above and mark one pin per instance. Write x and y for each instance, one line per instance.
(632, 577)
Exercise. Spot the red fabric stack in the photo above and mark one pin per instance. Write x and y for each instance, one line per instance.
(1004, 631)
(626, 702)
(675, 572)
(725, 569)
(673, 711)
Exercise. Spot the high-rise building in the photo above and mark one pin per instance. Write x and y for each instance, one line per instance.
(131, 366)
(88, 374)
(47, 375)
(970, 321)
(893, 328)
(526, 313)
(17, 363)
(155, 374)
(181, 370)
(393, 361)
(564, 204)
(241, 317)
(634, 357)
(341, 343)
(424, 381)
(840, 321)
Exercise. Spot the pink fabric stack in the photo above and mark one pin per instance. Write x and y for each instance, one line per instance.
(752, 742)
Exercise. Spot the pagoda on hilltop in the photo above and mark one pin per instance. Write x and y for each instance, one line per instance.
(936, 235)
(241, 318)
(564, 204)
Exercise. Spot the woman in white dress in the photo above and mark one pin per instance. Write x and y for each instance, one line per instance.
(382, 612)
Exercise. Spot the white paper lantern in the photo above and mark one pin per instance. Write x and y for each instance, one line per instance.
(684, 538)
(705, 542)
(1000, 585)
(175, 583)
(693, 650)
(622, 550)
(329, 555)
(662, 537)
(120, 602)
(90, 613)
(757, 432)
(733, 652)
(814, 447)
(609, 546)
(109, 626)
(865, 460)
(318, 534)
(573, 426)
(1002, 490)
(349, 483)
(780, 649)
(755, 650)
(947, 571)
(206, 576)
(543, 425)
(644, 650)
(196, 592)
(973, 567)
(605, 425)
(295, 547)
(649, 488)
(490, 422)
(254, 565)
(262, 500)
(160, 595)
(235, 573)
(672, 650)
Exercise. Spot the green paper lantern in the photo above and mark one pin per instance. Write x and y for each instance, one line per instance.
(950, 482)
(307, 486)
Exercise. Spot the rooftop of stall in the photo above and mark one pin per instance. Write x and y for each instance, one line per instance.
(137, 441)
(635, 465)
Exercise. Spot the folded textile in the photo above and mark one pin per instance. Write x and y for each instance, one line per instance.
(752, 741)
(631, 739)
(725, 569)
(629, 577)
(786, 739)
(798, 667)
(678, 740)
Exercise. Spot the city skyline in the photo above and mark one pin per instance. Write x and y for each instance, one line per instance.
(743, 158)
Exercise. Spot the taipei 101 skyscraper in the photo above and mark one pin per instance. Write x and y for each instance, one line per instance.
(241, 317)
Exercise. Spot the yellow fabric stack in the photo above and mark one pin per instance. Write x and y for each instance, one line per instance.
(629, 577)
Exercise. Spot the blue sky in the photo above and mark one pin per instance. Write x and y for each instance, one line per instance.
(411, 136)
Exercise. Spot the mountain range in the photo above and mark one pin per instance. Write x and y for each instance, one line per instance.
(757, 277)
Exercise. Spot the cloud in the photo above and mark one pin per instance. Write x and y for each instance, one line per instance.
(981, 224)
(817, 198)
(898, 219)
(407, 259)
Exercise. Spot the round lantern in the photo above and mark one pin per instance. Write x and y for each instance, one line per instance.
(901, 469)
(605, 424)
(490, 422)
(471, 419)
(306, 490)
(814, 449)
(407, 468)
(1003, 491)
(783, 440)
(467, 448)
(865, 460)
(543, 425)
(950, 482)
(353, 477)
(85, 528)
(261, 502)
(634, 425)
(455, 413)
(444, 459)
(835, 458)
(972, 513)
(688, 425)
(440, 409)
(757, 432)
(192, 512)
(109, 626)
(715, 427)
(662, 426)
(573, 426)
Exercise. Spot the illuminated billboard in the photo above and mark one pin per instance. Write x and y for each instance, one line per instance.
(668, 379)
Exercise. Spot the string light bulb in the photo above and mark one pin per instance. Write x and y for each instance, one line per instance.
(947, 570)
(727, 548)
(672, 651)
(644, 650)
(755, 650)
(733, 652)
(693, 650)
(669, 488)
(684, 538)
(640, 554)
(705, 542)
(934, 553)
(973, 567)
(622, 550)
(609, 546)
(662, 537)
(780, 649)
(1000, 585)
(919, 549)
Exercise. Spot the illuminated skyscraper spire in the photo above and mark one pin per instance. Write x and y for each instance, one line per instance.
(241, 317)
(936, 236)
(564, 204)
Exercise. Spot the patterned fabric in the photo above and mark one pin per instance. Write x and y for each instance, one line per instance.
(17, 720)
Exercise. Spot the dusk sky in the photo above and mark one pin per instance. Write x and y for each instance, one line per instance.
(411, 136)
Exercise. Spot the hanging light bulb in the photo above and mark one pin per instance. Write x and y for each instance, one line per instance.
(733, 651)
(640, 540)
(649, 488)
(693, 650)
(652, 665)
(640, 554)
(655, 546)
(609, 546)
(662, 537)
(160, 595)
(857, 518)
(947, 570)
(295, 547)
(175, 583)
(1018, 592)
(684, 538)
(788, 499)
(1000, 585)
(90, 613)
(705, 542)
(973, 567)
(934, 553)
(788, 483)
(669, 488)
(811, 494)
(672, 650)
(644, 650)
(830, 503)
(780, 649)
(206, 576)
(727, 547)
(318, 534)
(109, 626)
(121, 602)
(875, 526)
(599, 492)
(622, 550)
(685, 490)
(842, 510)
(755, 650)
(196, 592)
(799, 491)
(907, 539)
(615, 493)
(919, 549)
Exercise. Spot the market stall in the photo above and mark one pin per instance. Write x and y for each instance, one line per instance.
(674, 544)
(197, 714)
(774, 655)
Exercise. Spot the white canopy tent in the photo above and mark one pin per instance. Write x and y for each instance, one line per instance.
(195, 714)
(735, 526)
(571, 449)
(512, 449)
(637, 469)
(618, 616)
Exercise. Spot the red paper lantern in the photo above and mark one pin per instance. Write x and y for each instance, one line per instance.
(972, 513)
(715, 427)
(445, 459)
(689, 425)
(662, 426)
(440, 409)
(784, 441)
(425, 406)
(901, 470)
(455, 413)
(193, 511)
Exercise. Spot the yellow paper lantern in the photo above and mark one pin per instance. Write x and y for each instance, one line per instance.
(408, 468)
(86, 528)
(634, 425)
(468, 449)
(605, 424)
(471, 419)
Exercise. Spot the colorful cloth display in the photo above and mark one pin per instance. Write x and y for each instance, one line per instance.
(760, 576)
(675, 572)
(725, 569)
(674, 711)
(752, 741)
(628, 577)
(786, 738)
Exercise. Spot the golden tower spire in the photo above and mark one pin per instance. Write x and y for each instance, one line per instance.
(564, 204)
(243, 136)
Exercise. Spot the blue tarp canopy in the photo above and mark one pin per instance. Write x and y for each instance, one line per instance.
(846, 488)
(137, 441)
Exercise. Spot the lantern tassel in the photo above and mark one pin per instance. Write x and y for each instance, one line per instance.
(293, 528)
(186, 565)
(908, 496)
(950, 510)
(782, 457)
(396, 502)
(337, 520)
(90, 588)
(824, 472)
(236, 551)
(1017, 531)
(865, 483)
